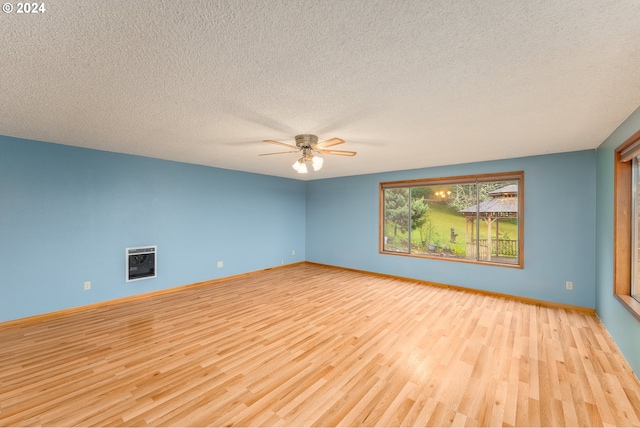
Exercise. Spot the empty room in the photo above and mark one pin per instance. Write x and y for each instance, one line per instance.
(320, 213)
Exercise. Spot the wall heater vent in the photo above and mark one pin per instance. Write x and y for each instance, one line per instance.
(141, 262)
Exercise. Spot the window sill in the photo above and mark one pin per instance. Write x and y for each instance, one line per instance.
(452, 259)
(630, 304)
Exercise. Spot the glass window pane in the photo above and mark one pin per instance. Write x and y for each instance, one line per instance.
(635, 241)
(396, 220)
(498, 225)
(439, 226)
(421, 223)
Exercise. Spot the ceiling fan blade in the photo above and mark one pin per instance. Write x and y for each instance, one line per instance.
(328, 143)
(338, 152)
(278, 153)
(281, 144)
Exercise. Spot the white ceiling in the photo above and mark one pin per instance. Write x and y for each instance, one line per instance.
(407, 83)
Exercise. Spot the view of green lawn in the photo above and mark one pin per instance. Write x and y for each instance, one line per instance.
(435, 233)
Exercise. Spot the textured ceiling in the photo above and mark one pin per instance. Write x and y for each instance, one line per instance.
(407, 83)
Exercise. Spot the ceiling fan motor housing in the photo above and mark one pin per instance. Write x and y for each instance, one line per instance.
(306, 141)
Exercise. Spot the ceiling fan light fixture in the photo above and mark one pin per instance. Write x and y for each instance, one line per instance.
(300, 167)
(317, 162)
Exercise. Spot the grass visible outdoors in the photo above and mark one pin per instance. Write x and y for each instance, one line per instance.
(437, 232)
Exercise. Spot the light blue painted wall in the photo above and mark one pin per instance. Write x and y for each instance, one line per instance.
(343, 223)
(67, 214)
(622, 326)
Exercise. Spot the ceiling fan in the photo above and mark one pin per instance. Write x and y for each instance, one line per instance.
(308, 145)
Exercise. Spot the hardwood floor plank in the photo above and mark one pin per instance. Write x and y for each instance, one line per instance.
(311, 345)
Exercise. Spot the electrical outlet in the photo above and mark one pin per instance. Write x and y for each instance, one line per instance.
(293, 252)
(569, 285)
(220, 264)
(87, 285)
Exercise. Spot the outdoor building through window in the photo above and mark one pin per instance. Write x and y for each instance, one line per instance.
(472, 218)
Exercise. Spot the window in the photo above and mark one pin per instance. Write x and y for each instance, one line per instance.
(474, 219)
(627, 224)
(635, 241)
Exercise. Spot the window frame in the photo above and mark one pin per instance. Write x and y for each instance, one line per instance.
(463, 179)
(622, 219)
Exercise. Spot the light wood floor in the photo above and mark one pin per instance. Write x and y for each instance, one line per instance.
(311, 345)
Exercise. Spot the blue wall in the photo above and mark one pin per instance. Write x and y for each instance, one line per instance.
(67, 214)
(559, 227)
(622, 326)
